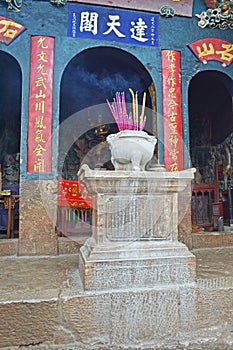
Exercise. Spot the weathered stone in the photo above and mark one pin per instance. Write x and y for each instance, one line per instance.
(212, 239)
(42, 302)
(135, 235)
(8, 247)
(37, 218)
(28, 323)
(69, 246)
(184, 217)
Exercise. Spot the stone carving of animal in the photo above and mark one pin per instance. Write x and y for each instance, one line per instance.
(131, 150)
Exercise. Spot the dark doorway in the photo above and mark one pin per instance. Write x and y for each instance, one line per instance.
(211, 136)
(10, 126)
(10, 119)
(92, 77)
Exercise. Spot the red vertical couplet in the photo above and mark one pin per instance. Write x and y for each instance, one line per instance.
(173, 140)
(40, 105)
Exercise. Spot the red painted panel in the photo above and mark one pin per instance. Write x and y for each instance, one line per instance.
(9, 30)
(73, 194)
(181, 7)
(40, 105)
(173, 141)
(213, 49)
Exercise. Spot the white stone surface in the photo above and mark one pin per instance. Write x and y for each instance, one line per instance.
(131, 149)
(135, 229)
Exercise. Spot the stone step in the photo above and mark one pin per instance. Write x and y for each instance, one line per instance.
(43, 306)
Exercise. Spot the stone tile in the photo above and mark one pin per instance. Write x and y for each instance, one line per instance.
(38, 218)
(8, 247)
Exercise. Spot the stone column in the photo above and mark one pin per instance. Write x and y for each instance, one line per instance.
(38, 204)
(135, 230)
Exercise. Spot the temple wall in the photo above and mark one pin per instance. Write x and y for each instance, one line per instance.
(43, 300)
(174, 33)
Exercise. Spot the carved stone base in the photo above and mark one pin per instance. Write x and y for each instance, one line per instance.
(134, 242)
(135, 264)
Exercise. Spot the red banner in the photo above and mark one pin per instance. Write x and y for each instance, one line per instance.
(74, 194)
(173, 141)
(9, 30)
(213, 49)
(40, 105)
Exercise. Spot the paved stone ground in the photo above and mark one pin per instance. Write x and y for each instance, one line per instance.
(42, 277)
(82, 347)
(26, 278)
(214, 262)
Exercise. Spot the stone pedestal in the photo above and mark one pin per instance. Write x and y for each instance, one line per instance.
(37, 221)
(135, 230)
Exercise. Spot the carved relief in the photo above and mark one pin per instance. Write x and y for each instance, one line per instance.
(58, 2)
(218, 15)
(14, 5)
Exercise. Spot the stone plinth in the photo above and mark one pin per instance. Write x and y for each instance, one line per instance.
(135, 230)
(37, 234)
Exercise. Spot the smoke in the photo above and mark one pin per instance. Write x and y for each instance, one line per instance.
(91, 78)
(82, 89)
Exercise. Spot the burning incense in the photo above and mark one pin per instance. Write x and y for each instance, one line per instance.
(143, 104)
(133, 107)
(136, 110)
(124, 111)
(114, 110)
(131, 121)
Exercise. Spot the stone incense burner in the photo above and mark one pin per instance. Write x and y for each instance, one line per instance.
(131, 149)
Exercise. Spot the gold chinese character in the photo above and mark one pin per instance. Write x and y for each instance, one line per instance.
(40, 94)
(9, 32)
(40, 81)
(42, 56)
(172, 104)
(40, 122)
(171, 56)
(39, 150)
(171, 68)
(173, 140)
(172, 116)
(39, 136)
(39, 165)
(205, 51)
(40, 106)
(40, 69)
(226, 55)
(171, 91)
(173, 128)
(171, 80)
(173, 167)
(173, 153)
(40, 42)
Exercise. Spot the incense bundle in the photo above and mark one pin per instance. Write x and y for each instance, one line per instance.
(125, 121)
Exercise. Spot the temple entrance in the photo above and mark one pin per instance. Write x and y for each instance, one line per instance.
(92, 77)
(211, 143)
(10, 125)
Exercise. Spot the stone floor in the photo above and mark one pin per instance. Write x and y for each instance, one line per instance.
(83, 347)
(214, 262)
(44, 278)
